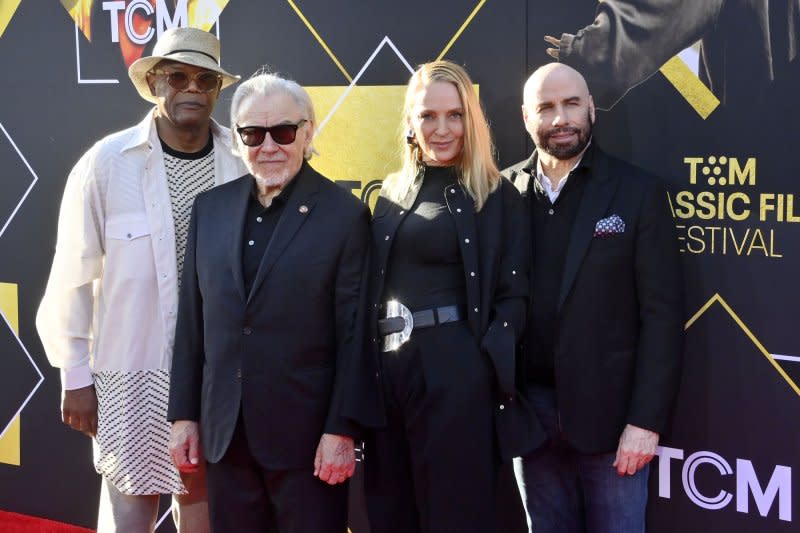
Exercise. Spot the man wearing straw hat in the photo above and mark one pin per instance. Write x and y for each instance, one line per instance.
(107, 319)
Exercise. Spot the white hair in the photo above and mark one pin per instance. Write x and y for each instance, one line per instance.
(263, 84)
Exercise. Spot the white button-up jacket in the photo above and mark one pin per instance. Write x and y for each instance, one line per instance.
(112, 296)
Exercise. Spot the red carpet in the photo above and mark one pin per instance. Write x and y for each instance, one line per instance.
(20, 523)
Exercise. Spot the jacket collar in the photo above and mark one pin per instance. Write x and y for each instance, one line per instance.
(145, 133)
(524, 174)
(302, 198)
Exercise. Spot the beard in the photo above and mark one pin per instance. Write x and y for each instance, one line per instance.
(567, 151)
(272, 181)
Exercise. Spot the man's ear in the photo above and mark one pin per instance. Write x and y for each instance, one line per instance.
(151, 83)
(591, 108)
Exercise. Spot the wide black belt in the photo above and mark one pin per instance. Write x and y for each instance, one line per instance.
(423, 319)
(396, 327)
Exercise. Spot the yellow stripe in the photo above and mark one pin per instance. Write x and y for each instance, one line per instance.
(718, 299)
(10, 444)
(689, 85)
(760, 347)
(9, 307)
(319, 40)
(7, 9)
(204, 14)
(702, 310)
(461, 29)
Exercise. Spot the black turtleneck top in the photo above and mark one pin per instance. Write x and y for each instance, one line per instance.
(425, 269)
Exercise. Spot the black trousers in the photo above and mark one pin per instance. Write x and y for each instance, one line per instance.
(433, 468)
(245, 497)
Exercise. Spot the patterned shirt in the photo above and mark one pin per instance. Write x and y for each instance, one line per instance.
(188, 174)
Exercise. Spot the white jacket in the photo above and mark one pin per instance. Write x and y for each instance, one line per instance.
(112, 296)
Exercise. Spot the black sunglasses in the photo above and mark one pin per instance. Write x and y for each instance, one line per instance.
(280, 133)
(204, 81)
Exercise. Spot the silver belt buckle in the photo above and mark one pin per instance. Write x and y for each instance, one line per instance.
(393, 341)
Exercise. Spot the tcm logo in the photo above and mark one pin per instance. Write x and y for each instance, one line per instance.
(722, 170)
(137, 18)
(766, 493)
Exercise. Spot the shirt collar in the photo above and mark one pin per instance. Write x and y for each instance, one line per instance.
(145, 133)
(283, 196)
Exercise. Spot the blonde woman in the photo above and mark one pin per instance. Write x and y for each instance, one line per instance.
(449, 299)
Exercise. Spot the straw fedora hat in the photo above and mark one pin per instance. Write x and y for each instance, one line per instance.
(190, 46)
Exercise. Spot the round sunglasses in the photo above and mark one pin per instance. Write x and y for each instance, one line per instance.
(205, 82)
(280, 133)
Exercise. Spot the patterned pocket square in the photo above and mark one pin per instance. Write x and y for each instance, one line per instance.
(608, 226)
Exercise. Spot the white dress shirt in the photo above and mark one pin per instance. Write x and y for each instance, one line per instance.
(547, 185)
(111, 299)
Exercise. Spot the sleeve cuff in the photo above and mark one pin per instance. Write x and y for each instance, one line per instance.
(565, 47)
(76, 378)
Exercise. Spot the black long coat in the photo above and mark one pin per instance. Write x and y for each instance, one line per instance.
(494, 246)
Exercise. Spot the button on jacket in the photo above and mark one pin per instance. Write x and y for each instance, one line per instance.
(115, 260)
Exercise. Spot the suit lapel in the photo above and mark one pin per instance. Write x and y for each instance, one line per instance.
(297, 209)
(522, 175)
(241, 200)
(597, 195)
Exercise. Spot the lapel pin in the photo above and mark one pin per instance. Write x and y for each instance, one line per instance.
(303, 209)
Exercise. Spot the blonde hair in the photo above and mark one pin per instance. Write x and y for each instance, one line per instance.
(476, 167)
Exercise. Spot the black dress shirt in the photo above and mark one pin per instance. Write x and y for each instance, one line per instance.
(259, 225)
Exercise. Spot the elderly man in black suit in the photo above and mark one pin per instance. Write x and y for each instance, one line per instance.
(269, 317)
(604, 336)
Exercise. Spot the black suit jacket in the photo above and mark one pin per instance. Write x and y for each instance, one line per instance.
(619, 337)
(277, 354)
(492, 244)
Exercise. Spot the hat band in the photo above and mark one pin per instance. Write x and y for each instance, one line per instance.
(214, 59)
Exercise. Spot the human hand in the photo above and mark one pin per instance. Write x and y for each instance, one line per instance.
(637, 446)
(335, 460)
(184, 445)
(555, 42)
(79, 409)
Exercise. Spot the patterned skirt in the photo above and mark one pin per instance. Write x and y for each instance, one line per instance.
(131, 446)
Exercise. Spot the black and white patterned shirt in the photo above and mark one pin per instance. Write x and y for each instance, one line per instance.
(188, 174)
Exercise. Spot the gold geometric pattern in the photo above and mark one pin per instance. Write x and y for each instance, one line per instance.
(346, 147)
(7, 10)
(461, 29)
(10, 442)
(203, 14)
(81, 12)
(760, 347)
(689, 85)
(338, 63)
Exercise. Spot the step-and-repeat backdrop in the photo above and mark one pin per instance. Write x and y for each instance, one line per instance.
(703, 93)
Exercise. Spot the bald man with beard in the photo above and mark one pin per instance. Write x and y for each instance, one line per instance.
(602, 349)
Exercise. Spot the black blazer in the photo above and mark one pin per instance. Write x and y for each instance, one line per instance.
(493, 246)
(277, 354)
(620, 315)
